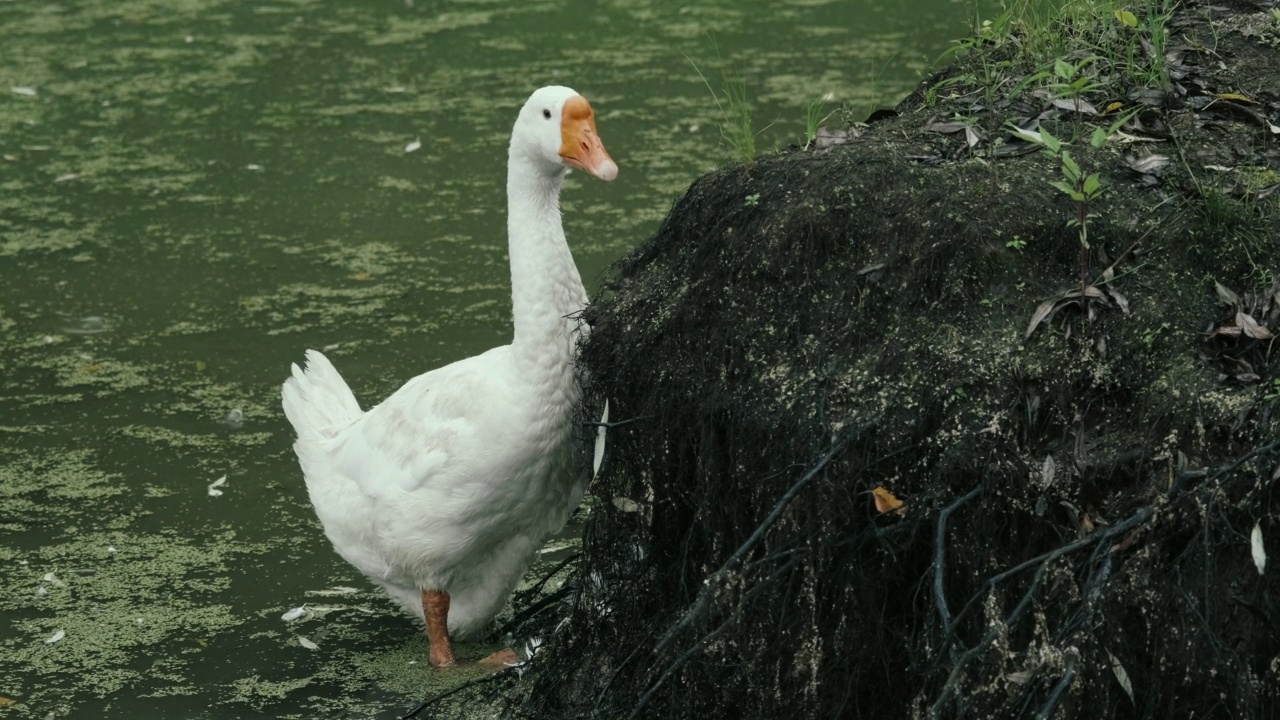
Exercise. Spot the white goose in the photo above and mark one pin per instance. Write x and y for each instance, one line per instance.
(443, 493)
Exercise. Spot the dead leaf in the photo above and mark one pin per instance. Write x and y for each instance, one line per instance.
(1041, 314)
(1047, 471)
(887, 501)
(1252, 328)
(1121, 301)
(945, 127)
(971, 137)
(1225, 294)
(1122, 677)
(1259, 552)
(361, 276)
(598, 453)
(7, 701)
(1075, 105)
(1152, 163)
(1236, 97)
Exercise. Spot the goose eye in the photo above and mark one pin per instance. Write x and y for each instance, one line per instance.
(546, 114)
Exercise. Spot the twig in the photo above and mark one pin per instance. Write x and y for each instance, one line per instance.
(618, 423)
(534, 609)
(940, 557)
(703, 642)
(750, 543)
(1224, 469)
(469, 684)
(1043, 560)
(1055, 696)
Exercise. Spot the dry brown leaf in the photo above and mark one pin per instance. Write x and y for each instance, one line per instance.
(1041, 314)
(945, 127)
(1075, 105)
(1122, 677)
(1252, 328)
(1237, 97)
(1047, 471)
(361, 276)
(887, 501)
(1225, 294)
(1150, 163)
(1120, 300)
(971, 137)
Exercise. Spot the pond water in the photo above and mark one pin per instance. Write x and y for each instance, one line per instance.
(193, 192)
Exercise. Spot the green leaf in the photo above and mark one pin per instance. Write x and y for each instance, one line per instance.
(1127, 18)
(1092, 185)
(1050, 141)
(1031, 137)
(1065, 188)
(1100, 137)
(1070, 168)
(1063, 70)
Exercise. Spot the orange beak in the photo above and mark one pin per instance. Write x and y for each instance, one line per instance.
(580, 146)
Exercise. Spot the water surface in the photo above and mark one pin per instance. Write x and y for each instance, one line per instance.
(193, 193)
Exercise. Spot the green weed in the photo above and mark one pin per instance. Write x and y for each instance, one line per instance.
(735, 113)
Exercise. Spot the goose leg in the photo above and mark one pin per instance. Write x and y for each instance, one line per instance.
(435, 608)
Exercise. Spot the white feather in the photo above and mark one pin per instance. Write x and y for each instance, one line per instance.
(454, 481)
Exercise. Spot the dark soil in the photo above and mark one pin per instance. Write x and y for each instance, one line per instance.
(1078, 502)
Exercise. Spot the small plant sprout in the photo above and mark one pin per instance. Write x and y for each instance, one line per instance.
(1071, 83)
(1017, 243)
(1084, 188)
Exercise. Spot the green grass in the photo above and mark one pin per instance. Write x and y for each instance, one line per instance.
(1028, 37)
(736, 128)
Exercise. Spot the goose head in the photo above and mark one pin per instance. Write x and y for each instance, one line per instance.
(556, 130)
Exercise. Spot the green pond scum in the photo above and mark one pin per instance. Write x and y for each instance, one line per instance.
(194, 192)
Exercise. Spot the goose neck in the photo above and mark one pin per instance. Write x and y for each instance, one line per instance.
(545, 285)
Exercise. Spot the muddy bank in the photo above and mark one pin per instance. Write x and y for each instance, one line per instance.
(1083, 438)
(925, 420)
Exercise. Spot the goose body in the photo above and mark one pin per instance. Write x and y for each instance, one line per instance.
(443, 493)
